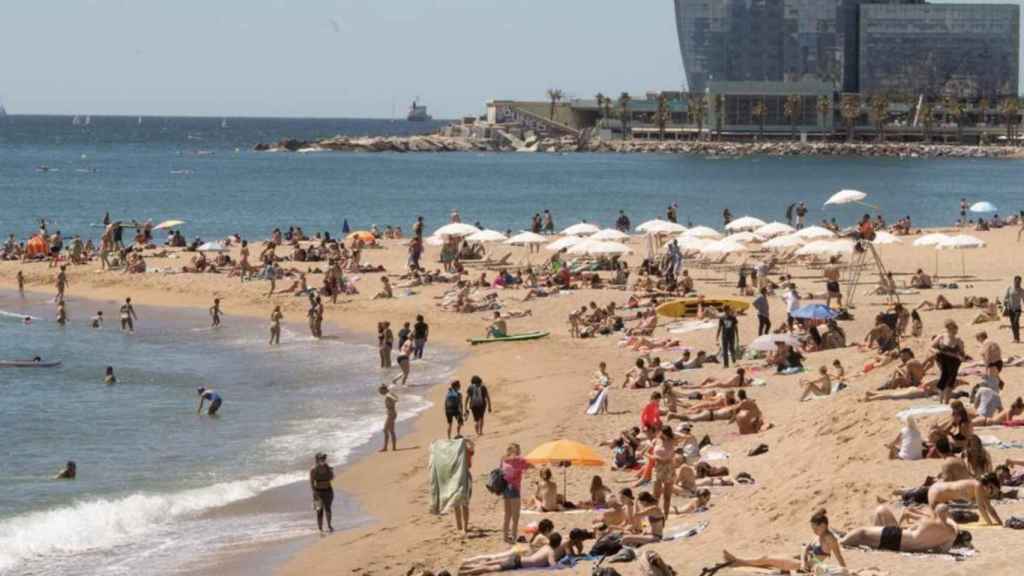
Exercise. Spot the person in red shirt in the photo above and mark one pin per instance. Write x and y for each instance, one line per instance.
(651, 415)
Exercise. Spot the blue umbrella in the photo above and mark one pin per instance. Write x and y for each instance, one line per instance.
(815, 312)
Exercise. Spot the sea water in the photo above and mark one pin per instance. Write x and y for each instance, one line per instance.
(150, 469)
(194, 170)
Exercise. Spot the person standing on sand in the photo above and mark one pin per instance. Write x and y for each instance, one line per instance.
(728, 335)
(417, 228)
(215, 313)
(764, 320)
(391, 411)
(478, 401)
(275, 325)
(512, 467)
(61, 283)
(1012, 304)
(832, 288)
(320, 477)
(420, 333)
(453, 408)
(128, 316)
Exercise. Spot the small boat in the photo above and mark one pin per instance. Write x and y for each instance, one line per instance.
(224, 123)
(687, 307)
(510, 338)
(140, 120)
(28, 364)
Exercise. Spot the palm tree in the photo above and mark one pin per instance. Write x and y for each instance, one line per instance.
(555, 95)
(824, 108)
(607, 107)
(662, 116)
(760, 111)
(600, 102)
(791, 109)
(957, 113)
(624, 100)
(880, 110)
(718, 101)
(1010, 109)
(849, 108)
(698, 108)
(926, 114)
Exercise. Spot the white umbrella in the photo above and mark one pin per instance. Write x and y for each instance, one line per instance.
(598, 247)
(744, 223)
(434, 241)
(581, 229)
(702, 232)
(660, 227)
(526, 238)
(885, 239)
(743, 238)
(961, 242)
(168, 224)
(723, 247)
(767, 342)
(822, 247)
(815, 232)
(982, 207)
(456, 230)
(784, 242)
(930, 239)
(563, 243)
(486, 236)
(846, 197)
(212, 247)
(774, 229)
(610, 234)
(692, 243)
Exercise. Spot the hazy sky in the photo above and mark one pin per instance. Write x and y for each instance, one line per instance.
(338, 58)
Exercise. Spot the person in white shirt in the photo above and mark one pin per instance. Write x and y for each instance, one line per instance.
(792, 300)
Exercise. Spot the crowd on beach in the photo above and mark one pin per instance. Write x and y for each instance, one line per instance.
(669, 470)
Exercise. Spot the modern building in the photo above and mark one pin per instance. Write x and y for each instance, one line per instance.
(740, 102)
(821, 40)
(963, 51)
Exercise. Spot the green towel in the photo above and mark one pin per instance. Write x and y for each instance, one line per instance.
(449, 475)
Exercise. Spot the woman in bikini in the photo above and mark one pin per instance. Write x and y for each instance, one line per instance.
(275, 325)
(650, 511)
(404, 356)
(949, 353)
(737, 381)
(827, 546)
(663, 453)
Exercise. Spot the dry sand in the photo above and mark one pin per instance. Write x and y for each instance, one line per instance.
(827, 453)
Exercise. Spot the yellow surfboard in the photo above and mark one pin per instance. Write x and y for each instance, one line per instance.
(687, 307)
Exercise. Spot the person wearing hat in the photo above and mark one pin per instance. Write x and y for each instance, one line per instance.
(208, 395)
(320, 477)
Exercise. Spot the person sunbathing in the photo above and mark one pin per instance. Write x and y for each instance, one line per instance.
(700, 503)
(738, 381)
(715, 401)
(925, 390)
(385, 290)
(933, 533)
(649, 510)
(748, 416)
(688, 362)
(827, 546)
(921, 280)
(1007, 417)
(646, 326)
(909, 373)
(941, 303)
(638, 376)
(978, 492)
(820, 386)
(621, 511)
(546, 497)
(546, 557)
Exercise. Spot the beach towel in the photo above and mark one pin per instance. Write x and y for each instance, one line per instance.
(1015, 444)
(694, 326)
(926, 410)
(989, 440)
(596, 405)
(713, 454)
(450, 483)
(685, 532)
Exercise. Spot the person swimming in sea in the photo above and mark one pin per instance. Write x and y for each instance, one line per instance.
(97, 320)
(109, 378)
(62, 313)
(215, 313)
(212, 397)
(69, 472)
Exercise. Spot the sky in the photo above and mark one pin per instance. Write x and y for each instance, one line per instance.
(326, 58)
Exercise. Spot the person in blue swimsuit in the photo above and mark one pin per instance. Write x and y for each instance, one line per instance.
(212, 397)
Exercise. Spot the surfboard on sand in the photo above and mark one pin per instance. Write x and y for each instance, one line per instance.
(509, 338)
(687, 307)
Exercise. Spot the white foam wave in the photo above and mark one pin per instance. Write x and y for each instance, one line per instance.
(103, 523)
(18, 315)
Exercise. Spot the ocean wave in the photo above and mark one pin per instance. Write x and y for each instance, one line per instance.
(101, 524)
(18, 315)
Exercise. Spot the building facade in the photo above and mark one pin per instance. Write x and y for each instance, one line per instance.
(963, 51)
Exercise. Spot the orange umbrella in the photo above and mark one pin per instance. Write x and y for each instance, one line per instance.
(363, 235)
(564, 453)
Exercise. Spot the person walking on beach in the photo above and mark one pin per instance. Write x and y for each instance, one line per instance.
(385, 342)
(420, 333)
(128, 316)
(453, 408)
(21, 282)
(478, 401)
(512, 467)
(801, 215)
(311, 317)
(210, 396)
(1012, 304)
(404, 360)
(417, 228)
(832, 288)
(549, 223)
(963, 211)
(244, 267)
(320, 477)
(215, 313)
(764, 319)
(62, 283)
(728, 335)
(275, 325)
(622, 224)
(391, 411)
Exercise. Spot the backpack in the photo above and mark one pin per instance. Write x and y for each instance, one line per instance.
(477, 394)
(496, 483)
(453, 402)
(608, 545)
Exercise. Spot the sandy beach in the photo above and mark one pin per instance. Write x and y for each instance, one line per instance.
(826, 453)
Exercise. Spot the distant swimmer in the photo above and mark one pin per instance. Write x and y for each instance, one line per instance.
(68, 473)
(97, 320)
(128, 316)
(212, 397)
(275, 325)
(215, 313)
(27, 320)
(62, 313)
(110, 378)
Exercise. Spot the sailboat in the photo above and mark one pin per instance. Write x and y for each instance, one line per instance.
(224, 123)
(140, 120)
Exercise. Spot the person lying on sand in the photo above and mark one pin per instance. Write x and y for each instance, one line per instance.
(827, 546)
(546, 557)
(934, 532)
(739, 380)
(925, 390)
(1008, 417)
(711, 403)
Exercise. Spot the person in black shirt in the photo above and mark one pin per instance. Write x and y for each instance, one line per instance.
(420, 333)
(729, 335)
